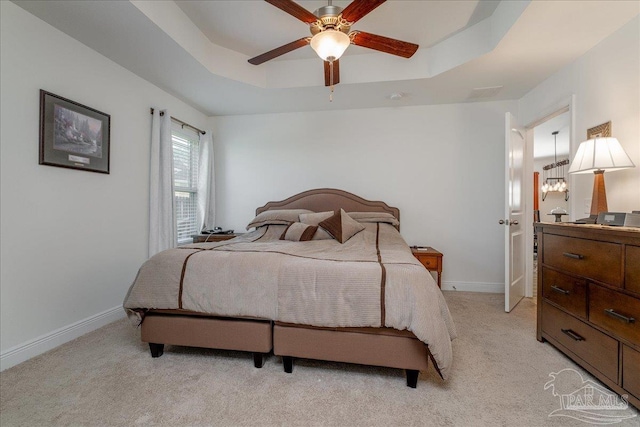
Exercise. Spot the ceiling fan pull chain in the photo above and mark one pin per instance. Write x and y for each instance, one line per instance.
(331, 81)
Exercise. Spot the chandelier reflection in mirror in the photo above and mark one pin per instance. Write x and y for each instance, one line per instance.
(553, 174)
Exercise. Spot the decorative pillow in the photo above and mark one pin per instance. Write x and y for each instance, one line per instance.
(299, 232)
(341, 226)
(315, 219)
(277, 216)
(375, 217)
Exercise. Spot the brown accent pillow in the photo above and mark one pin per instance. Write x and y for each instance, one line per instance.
(277, 216)
(341, 226)
(299, 232)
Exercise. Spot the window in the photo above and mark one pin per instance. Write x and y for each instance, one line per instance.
(185, 180)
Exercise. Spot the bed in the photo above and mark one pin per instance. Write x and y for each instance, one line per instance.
(365, 300)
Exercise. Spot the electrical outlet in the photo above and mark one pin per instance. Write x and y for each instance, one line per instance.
(587, 206)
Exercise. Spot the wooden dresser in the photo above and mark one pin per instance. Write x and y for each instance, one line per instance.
(589, 300)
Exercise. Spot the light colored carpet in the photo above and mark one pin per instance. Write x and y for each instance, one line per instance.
(108, 378)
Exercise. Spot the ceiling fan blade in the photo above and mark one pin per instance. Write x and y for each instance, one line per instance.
(384, 44)
(327, 73)
(294, 9)
(357, 9)
(279, 51)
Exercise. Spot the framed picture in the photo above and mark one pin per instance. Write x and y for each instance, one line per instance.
(73, 135)
(600, 131)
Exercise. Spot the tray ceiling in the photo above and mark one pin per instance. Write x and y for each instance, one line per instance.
(198, 50)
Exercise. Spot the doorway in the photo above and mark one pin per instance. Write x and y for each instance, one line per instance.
(540, 152)
(551, 149)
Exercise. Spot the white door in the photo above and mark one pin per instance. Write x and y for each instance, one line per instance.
(514, 247)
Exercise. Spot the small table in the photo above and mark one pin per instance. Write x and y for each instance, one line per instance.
(558, 216)
(430, 258)
(202, 238)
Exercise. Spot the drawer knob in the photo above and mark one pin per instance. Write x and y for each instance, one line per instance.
(572, 334)
(559, 290)
(572, 255)
(622, 317)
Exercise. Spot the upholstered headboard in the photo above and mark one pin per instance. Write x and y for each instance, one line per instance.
(330, 199)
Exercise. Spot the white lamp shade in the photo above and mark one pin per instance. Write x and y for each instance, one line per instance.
(330, 44)
(600, 154)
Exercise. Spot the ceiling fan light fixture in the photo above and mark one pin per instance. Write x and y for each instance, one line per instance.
(330, 44)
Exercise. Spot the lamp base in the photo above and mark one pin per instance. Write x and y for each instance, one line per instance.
(599, 196)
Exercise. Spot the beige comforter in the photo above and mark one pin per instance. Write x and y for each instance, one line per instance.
(370, 280)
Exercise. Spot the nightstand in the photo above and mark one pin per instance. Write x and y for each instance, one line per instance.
(430, 258)
(201, 238)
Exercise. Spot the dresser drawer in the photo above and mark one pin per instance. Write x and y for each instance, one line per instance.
(597, 349)
(566, 291)
(601, 261)
(632, 269)
(615, 312)
(631, 370)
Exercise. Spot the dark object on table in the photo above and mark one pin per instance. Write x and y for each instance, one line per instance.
(216, 230)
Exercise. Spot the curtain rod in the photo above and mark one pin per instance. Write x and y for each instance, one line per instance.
(183, 123)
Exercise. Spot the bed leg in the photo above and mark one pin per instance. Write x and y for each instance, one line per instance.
(156, 349)
(258, 360)
(287, 361)
(412, 378)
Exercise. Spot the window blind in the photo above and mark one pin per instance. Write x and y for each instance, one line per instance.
(185, 178)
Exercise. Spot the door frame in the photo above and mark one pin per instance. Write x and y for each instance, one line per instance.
(564, 105)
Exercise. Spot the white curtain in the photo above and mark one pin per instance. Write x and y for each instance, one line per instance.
(206, 184)
(162, 229)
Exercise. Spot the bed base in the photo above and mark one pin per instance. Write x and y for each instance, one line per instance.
(412, 374)
(249, 335)
(367, 346)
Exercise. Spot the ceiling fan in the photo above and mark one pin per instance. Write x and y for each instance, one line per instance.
(331, 35)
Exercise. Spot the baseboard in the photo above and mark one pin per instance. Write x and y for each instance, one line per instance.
(494, 288)
(37, 346)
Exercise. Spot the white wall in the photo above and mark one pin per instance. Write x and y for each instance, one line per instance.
(441, 165)
(72, 241)
(606, 84)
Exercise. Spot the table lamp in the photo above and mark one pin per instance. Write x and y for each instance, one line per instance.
(597, 155)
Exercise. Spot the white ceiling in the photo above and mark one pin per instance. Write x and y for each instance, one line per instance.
(424, 23)
(198, 50)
